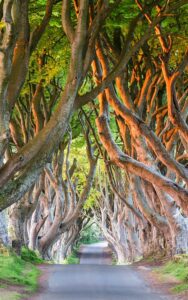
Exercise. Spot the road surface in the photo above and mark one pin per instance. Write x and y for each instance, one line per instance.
(94, 279)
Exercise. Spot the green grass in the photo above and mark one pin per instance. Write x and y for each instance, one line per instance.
(88, 241)
(16, 271)
(178, 268)
(72, 259)
(30, 256)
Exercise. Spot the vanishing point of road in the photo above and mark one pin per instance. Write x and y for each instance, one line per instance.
(94, 279)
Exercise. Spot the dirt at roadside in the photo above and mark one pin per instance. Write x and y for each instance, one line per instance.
(158, 282)
(10, 292)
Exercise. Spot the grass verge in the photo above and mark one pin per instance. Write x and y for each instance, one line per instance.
(31, 256)
(15, 271)
(18, 275)
(177, 268)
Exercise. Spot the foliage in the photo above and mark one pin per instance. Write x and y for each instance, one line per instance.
(78, 151)
(119, 18)
(91, 234)
(30, 256)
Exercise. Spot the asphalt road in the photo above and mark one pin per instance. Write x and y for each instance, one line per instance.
(94, 279)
